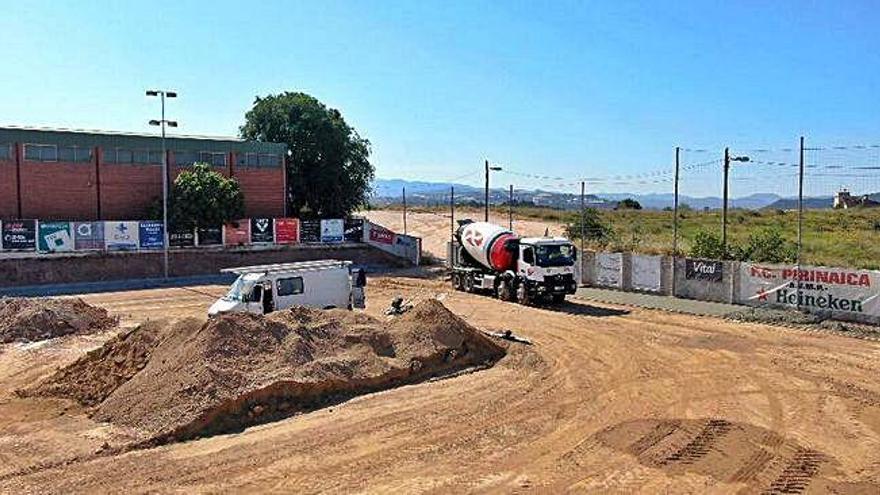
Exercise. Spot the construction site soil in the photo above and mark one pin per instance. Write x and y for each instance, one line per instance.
(608, 399)
(28, 320)
(170, 382)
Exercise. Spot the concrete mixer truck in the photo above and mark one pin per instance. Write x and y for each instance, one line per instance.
(492, 259)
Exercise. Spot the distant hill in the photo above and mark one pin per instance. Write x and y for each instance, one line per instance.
(387, 191)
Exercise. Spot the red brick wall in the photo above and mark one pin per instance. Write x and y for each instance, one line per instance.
(263, 191)
(58, 190)
(8, 198)
(128, 190)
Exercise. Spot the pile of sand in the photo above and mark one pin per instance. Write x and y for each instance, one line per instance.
(174, 382)
(28, 320)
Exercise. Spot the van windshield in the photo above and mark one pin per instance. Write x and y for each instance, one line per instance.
(240, 288)
(555, 254)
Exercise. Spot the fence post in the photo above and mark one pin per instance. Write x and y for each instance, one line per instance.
(510, 209)
(404, 210)
(800, 227)
(452, 213)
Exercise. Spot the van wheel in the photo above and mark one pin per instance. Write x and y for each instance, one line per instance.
(558, 298)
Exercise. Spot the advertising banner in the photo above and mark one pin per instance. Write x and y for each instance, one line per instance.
(332, 230)
(813, 288)
(88, 235)
(286, 230)
(121, 236)
(354, 230)
(181, 238)
(262, 231)
(54, 237)
(19, 235)
(646, 272)
(310, 231)
(707, 270)
(381, 234)
(210, 236)
(237, 233)
(152, 234)
(609, 269)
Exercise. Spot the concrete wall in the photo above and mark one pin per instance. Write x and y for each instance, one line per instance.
(99, 266)
(402, 246)
(705, 290)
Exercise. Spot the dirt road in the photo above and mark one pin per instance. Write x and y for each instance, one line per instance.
(434, 228)
(607, 400)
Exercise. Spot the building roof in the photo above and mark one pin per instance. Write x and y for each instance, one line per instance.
(116, 139)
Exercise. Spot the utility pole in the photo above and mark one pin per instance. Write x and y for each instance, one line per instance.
(165, 179)
(583, 220)
(404, 210)
(488, 168)
(486, 200)
(724, 205)
(452, 213)
(800, 228)
(675, 207)
(510, 209)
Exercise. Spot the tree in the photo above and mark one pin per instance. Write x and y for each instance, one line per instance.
(628, 204)
(329, 172)
(707, 245)
(595, 229)
(769, 246)
(201, 197)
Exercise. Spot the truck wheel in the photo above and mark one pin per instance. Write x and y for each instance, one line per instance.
(456, 281)
(505, 291)
(522, 295)
(558, 298)
(469, 282)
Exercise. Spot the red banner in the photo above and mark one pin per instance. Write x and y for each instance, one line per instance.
(381, 234)
(238, 233)
(286, 230)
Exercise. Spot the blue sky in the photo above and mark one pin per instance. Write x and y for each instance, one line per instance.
(569, 89)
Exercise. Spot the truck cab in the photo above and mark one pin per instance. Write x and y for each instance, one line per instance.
(262, 289)
(545, 267)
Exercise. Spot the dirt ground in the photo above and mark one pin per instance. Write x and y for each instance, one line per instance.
(434, 228)
(608, 399)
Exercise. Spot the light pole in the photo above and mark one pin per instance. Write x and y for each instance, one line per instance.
(727, 160)
(162, 123)
(494, 169)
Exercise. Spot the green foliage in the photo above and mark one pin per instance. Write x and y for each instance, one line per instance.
(595, 229)
(329, 172)
(201, 197)
(769, 246)
(628, 204)
(707, 245)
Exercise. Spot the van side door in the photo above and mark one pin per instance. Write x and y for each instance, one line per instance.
(289, 290)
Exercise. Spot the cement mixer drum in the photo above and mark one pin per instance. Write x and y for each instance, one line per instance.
(487, 243)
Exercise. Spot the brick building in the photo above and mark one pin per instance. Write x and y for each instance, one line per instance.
(56, 174)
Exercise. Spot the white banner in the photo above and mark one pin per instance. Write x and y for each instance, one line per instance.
(814, 288)
(609, 269)
(646, 272)
(121, 236)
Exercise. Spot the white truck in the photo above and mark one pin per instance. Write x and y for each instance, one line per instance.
(323, 284)
(493, 259)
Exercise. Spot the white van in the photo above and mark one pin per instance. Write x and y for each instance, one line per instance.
(322, 284)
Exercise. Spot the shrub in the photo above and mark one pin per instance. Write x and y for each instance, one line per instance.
(769, 246)
(707, 245)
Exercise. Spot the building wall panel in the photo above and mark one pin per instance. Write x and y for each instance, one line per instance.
(8, 198)
(58, 191)
(263, 191)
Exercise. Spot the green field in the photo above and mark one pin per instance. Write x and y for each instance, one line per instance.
(844, 238)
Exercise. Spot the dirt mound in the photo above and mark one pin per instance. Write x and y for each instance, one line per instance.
(28, 320)
(183, 381)
(93, 377)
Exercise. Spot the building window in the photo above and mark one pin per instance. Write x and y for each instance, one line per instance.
(290, 286)
(41, 152)
(74, 154)
(269, 161)
(5, 151)
(217, 159)
(185, 158)
(156, 157)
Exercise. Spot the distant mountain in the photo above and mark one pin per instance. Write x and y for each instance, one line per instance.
(387, 191)
(809, 203)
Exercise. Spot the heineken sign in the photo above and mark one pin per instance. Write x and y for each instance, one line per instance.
(816, 288)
